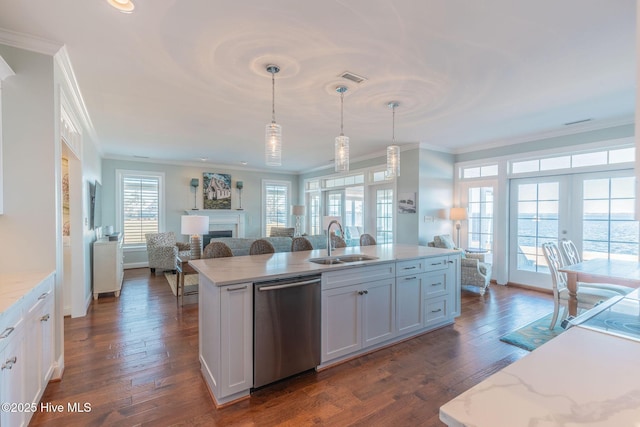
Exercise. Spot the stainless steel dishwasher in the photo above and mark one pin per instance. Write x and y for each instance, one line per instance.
(286, 328)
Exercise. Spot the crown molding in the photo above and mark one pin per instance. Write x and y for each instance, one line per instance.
(29, 42)
(569, 130)
(74, 95)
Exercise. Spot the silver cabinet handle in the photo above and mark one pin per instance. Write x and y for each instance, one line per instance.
(437, 263)
(236, 289)
(437, 284)
(450, 262)
(44, 295)
(45, 318)
(436, 311)
(289, 285)
(410, 278)
(409, 268)
(7, 332)
(363, 292)
(8, 364)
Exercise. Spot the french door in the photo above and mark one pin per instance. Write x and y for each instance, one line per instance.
(381, 212)
(595, 210)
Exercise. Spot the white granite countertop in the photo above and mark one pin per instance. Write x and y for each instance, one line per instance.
(228, 271)
(15, 286)
(581, 378)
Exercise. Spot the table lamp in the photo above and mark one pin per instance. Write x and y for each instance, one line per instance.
(194, 226)
(298, 211)
(458, 214)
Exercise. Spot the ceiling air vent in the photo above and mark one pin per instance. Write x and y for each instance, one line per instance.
(353, 77)
(577, 121)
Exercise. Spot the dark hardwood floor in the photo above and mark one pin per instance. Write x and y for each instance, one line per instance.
(134, 359)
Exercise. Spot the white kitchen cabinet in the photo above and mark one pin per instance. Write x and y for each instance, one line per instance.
(409, 303)
(358, 309)
(13, 376)
(226, 338)
(341, 321)
(39, 340)
(108, 267)
(378, 312)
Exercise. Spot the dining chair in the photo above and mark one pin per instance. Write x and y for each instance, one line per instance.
(367, 240)
(217, 250)
(261, 246)
(338, 241)
(587, 297)
(572, 256)
(301, 244)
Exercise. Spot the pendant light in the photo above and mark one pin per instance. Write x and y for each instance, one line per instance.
(393, 151)
(273, 133)
(341, 152)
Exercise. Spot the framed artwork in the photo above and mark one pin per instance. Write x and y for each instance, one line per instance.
(216, 190)
(406, 203)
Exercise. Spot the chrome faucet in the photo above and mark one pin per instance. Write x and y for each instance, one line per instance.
(334, 221)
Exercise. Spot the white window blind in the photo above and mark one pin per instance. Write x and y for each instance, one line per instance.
(276, 205)
(140, 207)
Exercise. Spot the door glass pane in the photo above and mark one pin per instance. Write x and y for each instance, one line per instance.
(334, 203)
(480, 223)
(609, 228)
(384, 216)
(537, 223)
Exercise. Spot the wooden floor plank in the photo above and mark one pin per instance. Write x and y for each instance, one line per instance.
(135, 360)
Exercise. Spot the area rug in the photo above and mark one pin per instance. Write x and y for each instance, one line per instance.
(534, 334)
(190, 283)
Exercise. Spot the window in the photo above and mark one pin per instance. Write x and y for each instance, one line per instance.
(580, 160)
(480, 218)
(140, 206)
(479, 171)
(275, 204)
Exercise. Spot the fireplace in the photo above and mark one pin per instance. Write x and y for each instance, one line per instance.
(206, 238)
(223, 221)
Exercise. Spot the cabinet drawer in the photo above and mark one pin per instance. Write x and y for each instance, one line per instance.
(435, 284)
(38, 294)
(412, 266)
(359, 274)
(435, 310)
(436, 263)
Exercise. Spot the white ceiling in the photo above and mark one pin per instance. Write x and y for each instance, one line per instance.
(183, 80)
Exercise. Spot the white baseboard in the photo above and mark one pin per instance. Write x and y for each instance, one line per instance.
(136, 265)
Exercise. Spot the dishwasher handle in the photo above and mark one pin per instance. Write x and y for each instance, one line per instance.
(288, 285)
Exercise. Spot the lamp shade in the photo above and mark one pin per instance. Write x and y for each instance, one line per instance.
(297, 210)
(458, 214)
(327, 219)
(194, 224)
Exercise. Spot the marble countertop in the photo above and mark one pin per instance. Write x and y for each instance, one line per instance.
(581, 378)
(240, 269)
(15, 286)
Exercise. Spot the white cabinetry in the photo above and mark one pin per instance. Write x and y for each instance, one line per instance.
(107, 266)
(13, 368)
(409, 278)
(226, 338)
(358, 309)
(26, 352)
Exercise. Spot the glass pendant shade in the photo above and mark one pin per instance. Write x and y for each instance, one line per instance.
(273, 144)
(393, 151)
(341, 147)
(341, 154)
(273, 131)
(393, 162)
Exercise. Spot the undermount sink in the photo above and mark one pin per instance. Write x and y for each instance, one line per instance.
(340, 259)
(356, 257)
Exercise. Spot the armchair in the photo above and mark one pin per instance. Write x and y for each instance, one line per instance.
(162, 249)
(474, 271)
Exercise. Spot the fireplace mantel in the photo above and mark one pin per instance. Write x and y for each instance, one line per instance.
(223, 220)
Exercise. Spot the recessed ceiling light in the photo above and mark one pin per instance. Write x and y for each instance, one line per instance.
(243, 163)
(203, 159)
(124, 6)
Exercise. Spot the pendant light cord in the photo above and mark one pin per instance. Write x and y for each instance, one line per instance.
(341, 112)
(393, 125)
(273, 97)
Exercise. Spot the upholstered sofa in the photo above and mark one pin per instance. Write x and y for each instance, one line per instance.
(240, 246)
(474, 270)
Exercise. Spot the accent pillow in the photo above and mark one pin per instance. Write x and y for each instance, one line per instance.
(444, 242)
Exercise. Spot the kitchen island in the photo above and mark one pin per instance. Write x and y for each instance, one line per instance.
(584, 377)
(400, 292)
